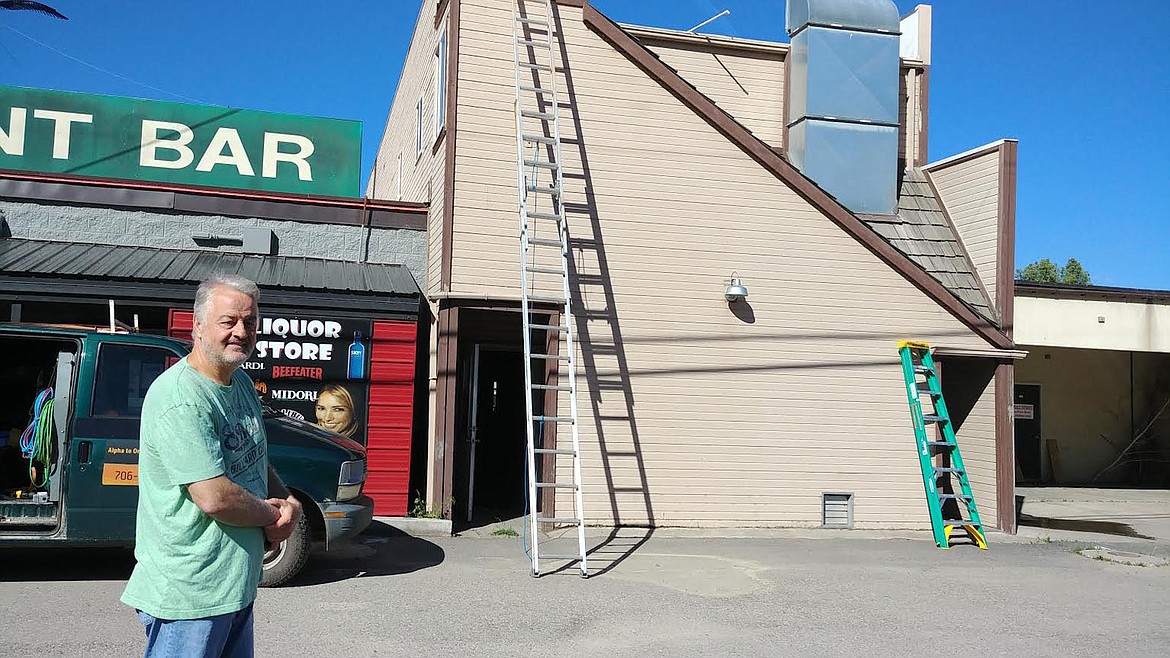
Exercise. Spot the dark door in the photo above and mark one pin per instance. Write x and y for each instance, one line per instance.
(1027, 416)
(497, 479)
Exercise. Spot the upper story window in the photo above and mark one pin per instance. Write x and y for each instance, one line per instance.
(440, 84)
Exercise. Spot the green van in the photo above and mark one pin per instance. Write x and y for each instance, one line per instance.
(69, 468)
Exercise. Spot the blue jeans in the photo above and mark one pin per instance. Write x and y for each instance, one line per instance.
(221, 636)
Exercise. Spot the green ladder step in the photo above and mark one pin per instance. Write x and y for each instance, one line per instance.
(917, 361)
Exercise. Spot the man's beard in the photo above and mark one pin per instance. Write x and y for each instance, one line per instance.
(221, 357)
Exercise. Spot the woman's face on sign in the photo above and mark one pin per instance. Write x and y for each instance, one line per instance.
(332, 413)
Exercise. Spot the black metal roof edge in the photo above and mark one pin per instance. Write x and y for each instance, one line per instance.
(399, 270)
(1069, 291)
(21, 186)
(19, 288)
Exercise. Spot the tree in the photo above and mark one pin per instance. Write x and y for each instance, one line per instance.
(1072, 273)
(1041, 271)
(1045, 271)
(29, 5)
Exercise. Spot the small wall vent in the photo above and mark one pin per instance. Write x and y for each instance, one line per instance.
(837, 510)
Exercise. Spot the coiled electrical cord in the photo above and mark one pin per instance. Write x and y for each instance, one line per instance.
(36, 443)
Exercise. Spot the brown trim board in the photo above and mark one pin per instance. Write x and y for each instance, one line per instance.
(452, 144)
(1104, 293)
(62, 188)
(1005, 453)
(759, 151)
(446, 379)
(572, 3)
(439, 7)
(1006, 258)
(962, 246)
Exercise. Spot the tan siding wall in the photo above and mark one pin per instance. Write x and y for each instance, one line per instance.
(976, 434)
(484, 240)
(421, 174)
(970, 192)
(714, 419)
(747, 85)
(910, 116)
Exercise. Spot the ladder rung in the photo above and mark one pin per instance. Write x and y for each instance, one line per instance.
(555, 485)
(537, 67)
(549, 327)
(555, 419)
(541, 163)
(923, 369)
(546, 190)
(546, 300)
(528, 42)
(544, 242)
(545, 270)
(961, 522)
(555, 519)
(558, 556)
(933, 418)
(550, 387)
(927, 391)
(550, 357)
(543, 139)
(531, 21)
(948, 469)
(536, 90)
(941, 444)
(955, 497)
(553, 451)
(543, 215)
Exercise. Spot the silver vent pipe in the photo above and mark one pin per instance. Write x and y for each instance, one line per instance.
(843, 99)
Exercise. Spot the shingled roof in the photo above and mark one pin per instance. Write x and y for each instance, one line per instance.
(921, 231)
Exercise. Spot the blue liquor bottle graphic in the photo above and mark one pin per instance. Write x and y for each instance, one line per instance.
(357, 357)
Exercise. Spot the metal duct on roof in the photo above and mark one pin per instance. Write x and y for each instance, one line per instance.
(869, 15)
(843, 99)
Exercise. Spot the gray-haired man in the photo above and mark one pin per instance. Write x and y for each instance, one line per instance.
(208, 502)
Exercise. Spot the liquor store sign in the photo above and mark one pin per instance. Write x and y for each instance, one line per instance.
(314, 369)
(128, 138)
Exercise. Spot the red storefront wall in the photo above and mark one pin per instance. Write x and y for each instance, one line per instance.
(390, 414)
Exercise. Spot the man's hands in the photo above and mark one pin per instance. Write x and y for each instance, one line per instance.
(288, 512)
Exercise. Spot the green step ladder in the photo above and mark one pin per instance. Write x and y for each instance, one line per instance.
(917, 362)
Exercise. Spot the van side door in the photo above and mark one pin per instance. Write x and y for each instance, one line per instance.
(102, 493)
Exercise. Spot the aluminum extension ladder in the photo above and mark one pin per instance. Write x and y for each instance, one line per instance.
(917, 361)
(544, 263)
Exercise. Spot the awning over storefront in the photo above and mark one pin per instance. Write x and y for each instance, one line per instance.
(42, 270)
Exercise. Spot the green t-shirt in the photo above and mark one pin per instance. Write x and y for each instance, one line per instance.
(193, 428)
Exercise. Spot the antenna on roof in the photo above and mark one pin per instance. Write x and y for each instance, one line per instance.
(714, 18)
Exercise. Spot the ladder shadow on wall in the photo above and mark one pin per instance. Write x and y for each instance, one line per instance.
(603, 358)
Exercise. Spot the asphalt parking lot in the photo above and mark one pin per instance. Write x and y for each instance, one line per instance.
(669, 593)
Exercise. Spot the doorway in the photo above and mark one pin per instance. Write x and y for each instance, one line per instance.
(1027, 435)
(496, 439)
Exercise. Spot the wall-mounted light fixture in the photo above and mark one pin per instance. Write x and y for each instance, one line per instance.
(735, 291)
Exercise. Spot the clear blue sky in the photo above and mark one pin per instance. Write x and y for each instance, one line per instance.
(1082, 85)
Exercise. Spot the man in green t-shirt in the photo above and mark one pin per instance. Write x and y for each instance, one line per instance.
(208, 503)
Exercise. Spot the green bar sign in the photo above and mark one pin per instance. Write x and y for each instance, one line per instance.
(129, 138)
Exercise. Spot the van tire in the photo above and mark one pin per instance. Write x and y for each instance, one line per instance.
(287, 560)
